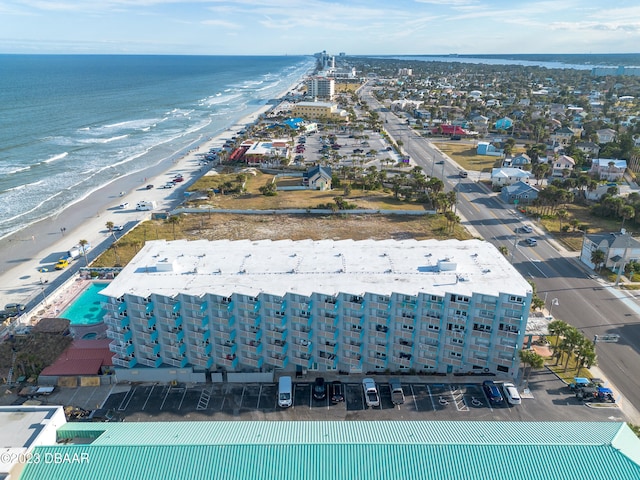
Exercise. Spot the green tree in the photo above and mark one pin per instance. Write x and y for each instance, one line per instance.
(532, 360)
(174, 220)
(598, 258)
(84, 244)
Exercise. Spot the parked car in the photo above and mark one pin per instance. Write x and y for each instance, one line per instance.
(492, 391)
(149, 187)
(463, 174)
(371, 396)
(397, 394)
(118, 228)
(337, 394)
(532, 242)
(511, 393)
(123, 205)
(319, 389)
(15, 307)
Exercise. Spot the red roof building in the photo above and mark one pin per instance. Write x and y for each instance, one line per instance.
(83, 357)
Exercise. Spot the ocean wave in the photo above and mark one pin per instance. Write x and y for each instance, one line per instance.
(213, 100)
(89, 141)
(15, 170)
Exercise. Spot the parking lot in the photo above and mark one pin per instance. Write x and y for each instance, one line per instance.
(423, 401)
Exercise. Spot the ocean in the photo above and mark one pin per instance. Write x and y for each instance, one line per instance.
(70, 124)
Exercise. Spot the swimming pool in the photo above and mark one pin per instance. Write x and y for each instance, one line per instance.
(86, 308)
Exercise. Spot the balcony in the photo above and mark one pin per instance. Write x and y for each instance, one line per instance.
(404, 334)
(353, 305)
(253, 334)
(176, 335)
(150, 322)
(176, 350)
(253, 347)
(403, 348)
(278, 362)
(353, 362)
(148, 308)
(206, 362)
(227, 348)
(331, 321)
(229, 335)
(279, 347)
(197, 324)
(377, 348)
(356, 335)
(276, 334)
(253, 362)
(431, 334)
(150, 362)
(122, 336)
(127, 362)
(176, 308)
(303, 361)
(297, 335)
(125, 350)
(405, 362)
(251, 321)
(177, 362)
(200, 349)
(426, 357)
(147, 336)
(301, 322)
(481, 334)
(149, 350)
(354, 320)
(330, 363)
(350, 351)
(117, 322)
(453, 348)
(379, 334)
(229, 361)
(509, 335)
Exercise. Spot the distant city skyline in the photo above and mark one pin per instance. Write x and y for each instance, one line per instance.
(292, 27)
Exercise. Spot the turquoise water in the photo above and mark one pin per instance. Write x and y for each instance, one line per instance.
(86, 308)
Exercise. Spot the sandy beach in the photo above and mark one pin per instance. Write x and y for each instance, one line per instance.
(40, 245)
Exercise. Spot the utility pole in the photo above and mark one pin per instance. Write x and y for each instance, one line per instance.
(624, 260)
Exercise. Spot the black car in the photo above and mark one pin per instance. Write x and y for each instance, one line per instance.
(337, 395)
(492, 391)
(319, 389)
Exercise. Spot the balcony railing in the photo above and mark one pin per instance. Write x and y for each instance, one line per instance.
(122, 336)
(122, 350)
(128, 362)
(150, 350)
(278, 362)
(253, 362)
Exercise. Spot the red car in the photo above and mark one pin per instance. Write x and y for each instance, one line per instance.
(178, 179)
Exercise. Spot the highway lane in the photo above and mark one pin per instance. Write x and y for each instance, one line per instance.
(584, 302)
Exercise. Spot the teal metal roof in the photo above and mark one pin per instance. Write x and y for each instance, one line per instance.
(346, 450)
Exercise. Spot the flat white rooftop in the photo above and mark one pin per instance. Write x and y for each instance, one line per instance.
(326, 266)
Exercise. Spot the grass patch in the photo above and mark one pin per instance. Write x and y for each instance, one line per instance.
(279, 227)
(465, 155)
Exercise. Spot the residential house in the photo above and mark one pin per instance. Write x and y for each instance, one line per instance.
(606, 135)
(486, 148)
(608, 169)
(508, 176)
(618, 248)
(317, 178)
(520, 192)
(319, 111)
(504, 123)
(265, 152)
(590, 148)
(522, 161)
(562, 136)
(561, 165)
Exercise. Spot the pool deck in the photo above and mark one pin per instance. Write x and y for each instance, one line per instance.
(61, 299)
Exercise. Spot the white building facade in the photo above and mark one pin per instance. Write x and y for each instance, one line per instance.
(350, 306)
(320, 87)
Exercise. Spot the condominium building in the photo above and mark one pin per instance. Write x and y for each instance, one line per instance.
(319, 111)
(353, 306)
(320, 87)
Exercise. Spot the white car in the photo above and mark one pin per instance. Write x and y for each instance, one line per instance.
(532, 242)
(118, 228)
(370, 392)
(123, 205)
(511, 393)
(526, 228)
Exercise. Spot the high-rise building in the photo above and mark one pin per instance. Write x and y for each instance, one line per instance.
(320, 87)
(353, 306)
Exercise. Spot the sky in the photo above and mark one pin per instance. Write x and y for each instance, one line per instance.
(291, 27)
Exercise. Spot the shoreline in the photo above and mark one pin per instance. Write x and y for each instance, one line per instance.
(42, 243)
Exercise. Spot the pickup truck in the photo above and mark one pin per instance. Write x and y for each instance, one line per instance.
(370, 393)
(397, 394)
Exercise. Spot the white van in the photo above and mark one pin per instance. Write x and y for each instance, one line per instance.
(285, 396)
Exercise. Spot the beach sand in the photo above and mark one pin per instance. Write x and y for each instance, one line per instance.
(43, 243)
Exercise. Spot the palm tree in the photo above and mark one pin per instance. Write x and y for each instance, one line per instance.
(532, 360)
(598, 258)
(627, 212)
(84, 247)
(557, 328)
(586, 354)
(109, 226)
(572, 338)
(174, 220)
(562, 214)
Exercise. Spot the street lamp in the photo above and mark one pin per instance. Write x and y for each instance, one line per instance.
(554, 301)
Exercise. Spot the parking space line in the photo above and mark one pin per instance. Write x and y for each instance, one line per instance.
(148, 396)
(184, 392)
(259, 395)
(127, 399)
(433, 404)
(165, 397)
(242, 396)
(458, 399)
(413, 394)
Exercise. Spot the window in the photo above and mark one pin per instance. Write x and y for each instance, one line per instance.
(407, 327)
(503, 369)
(455, 327)
(481, 327)
(455, 354)
(459, 298)
(435, 298)
(435, 328)
(514, 299)
(508, 328)
(457, 341)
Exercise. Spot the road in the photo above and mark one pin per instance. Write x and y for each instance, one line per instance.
(589, 304)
